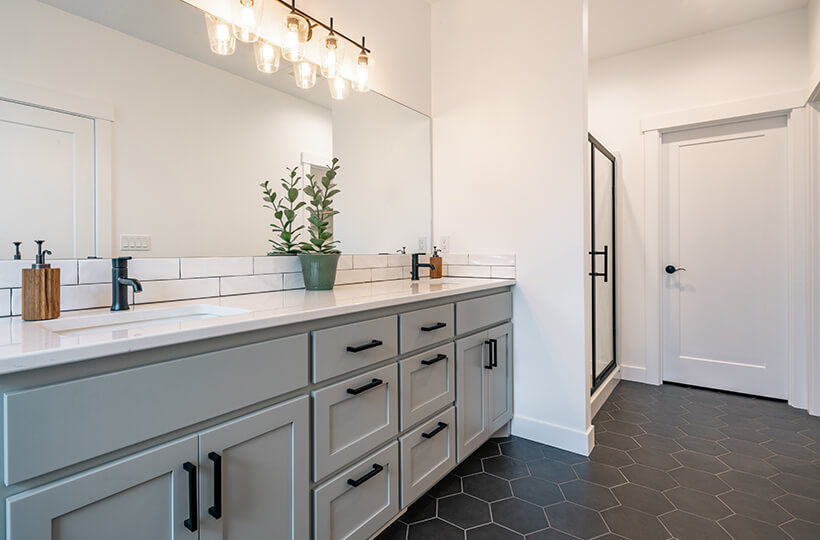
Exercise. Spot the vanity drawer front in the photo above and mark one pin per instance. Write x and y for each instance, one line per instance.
(55, 426)
(427, 384)
(345, 511)
(481, 312)
(347, 348)
(353, 417)
(426, 327)
(427, 454)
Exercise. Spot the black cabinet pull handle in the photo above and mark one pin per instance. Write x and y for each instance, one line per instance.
(441, 427)
(490, 343)
(192, 523)
(494, 352)
(216, 509)
(434, 327)
(360, 348)
(372, 384)
(438, 358)
(358, 482)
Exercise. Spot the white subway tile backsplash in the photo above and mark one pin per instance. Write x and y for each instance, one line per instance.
(455, 258)
(276, 264)
(178, 289)
(153, 269)
(294, 281)
(250, 284)
(345, 262)
(398, 260)
(503, 272)
(370, 261)
(387, 274)
(74, 297)
(5, 302)
(216, 267)
(11, 272)
(469, 271)
(492, 259)
(345, 277)
(94, 271)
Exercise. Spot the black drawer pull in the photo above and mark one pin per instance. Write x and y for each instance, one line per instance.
(438, 358)
(441, 427)
(494, 345)
(372, 384)
(376, 470)
(216, 509)
(360, 348)
(192, 523)
(434, 327)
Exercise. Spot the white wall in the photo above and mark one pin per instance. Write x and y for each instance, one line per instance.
(509, 162)
(763, 57)
(813, 13)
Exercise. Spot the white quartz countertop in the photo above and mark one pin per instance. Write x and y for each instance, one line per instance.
(30, 345)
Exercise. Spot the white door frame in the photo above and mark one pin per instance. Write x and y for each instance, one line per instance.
(801, 237)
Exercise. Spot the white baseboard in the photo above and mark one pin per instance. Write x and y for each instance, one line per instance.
(605, 390)
(572, 440)
(634, 374)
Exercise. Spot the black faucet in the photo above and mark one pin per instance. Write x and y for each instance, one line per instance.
(414, 270)
(120, 283)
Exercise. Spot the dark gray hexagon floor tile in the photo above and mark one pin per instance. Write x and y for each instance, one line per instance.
(755, 507)
(703, 432)
(449, 485)
(698, 503)
(537, 491)
(464, 511)
(554, 471)
(486, 487)
(522, 449)
(666, 417)
(690, 527)
(802, 530)
(749, 464)
(657, 459)
(624, 428)
(633, 406)
(703, 409)
(589, 495)
(556, 454)
(702, 462)
(396, 531)
(601, 416)
(505, 467)
(471, 465)
(745, 409)
(658, 442)
(664, 430)
(800, 507)
(610, 456)
(648, 477)
(699, 480)
(434, 529)
(492, 532)
(786, 435)
(643, 499)
(424, 508)
(576, 520)
(748, 448)
(791, 450)
(630, 417)
(701, 395)
(634, 524)
(702, 446)
(519, 515)
(799, 485)
(616, 440)
(598, 473)
(707, 420)
(797, 467)
(738, 431)
(750, 483)
(745, 528)
(551, 534)
(488, 449)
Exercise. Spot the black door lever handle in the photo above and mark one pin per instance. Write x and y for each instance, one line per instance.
(671, 269)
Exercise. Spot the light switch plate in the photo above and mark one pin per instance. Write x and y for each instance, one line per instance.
(444, 244)
(135, 242)
(422, 244)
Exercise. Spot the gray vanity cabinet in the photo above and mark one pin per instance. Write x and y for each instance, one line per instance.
(499, 400)
(142, 496)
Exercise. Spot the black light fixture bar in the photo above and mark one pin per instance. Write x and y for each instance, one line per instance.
(292, 6)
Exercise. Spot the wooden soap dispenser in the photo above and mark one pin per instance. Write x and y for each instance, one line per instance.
(435, 260)
(41, 288)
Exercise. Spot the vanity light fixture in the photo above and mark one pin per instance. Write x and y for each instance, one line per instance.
(333, 54)
(247, 19)
(364, 67)
(296, 32)
(305, 73)
(339, 88)
(267, 56)
(220, 35)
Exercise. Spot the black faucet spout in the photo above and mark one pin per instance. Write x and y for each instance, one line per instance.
(131, 282)
(414, 270)
(120, 283)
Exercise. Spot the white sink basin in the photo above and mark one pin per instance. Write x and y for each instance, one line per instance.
(127, 320)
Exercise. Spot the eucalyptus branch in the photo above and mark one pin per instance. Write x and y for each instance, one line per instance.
(284, 209)
(321, 195)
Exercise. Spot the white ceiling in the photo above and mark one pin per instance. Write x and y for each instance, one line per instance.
(620, 26)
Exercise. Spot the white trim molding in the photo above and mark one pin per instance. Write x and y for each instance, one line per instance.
(27, 94)
(565, 438)
(604, 391)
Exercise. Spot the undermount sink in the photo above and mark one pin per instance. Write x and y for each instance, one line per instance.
(127, 320)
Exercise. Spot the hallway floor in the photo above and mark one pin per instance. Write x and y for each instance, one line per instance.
(669, 462)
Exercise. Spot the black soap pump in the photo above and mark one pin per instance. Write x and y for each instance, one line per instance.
(17, 255)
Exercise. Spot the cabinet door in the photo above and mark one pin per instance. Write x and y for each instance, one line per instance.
(136, 498)
(472, 361)
(499, 385)
(264, 475)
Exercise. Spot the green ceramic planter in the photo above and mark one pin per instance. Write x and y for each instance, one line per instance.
(319, 270)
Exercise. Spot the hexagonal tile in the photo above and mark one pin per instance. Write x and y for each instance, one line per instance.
(796, 467)
(702, 432)
(424, 508)
(648, 477)
(537, 491)
(471, 465)
(449, 485)
(464, 511)
(657, 459)
(505, 467)
(748, 448)
(702, 446)
(434, 528)
(702, 462)
(707, 420)
(802, 530)
(642, 498)
(791, 450)
(658, 442)
(598, 473)
(755, 507)
(610, 456)
(699, 480)
(750, 483)
(492, 532)
(751, 529)
(486, 487)
(749, 464)
(519, 515)
(554, 471)
(556, 454)
(589, 495)
(396, 531)
(615, 440)
(522, 449)
(624, 428)
(664, 430)
(698, 503)
(805, 487)
(488, 449)
(631, 523)
(630, 417)
(576, 520)
(553, 534)
(738, 431)
(688, 527)
(800, 507)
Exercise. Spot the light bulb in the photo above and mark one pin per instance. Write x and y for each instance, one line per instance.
(339, 88)
(220, 36)
(305, 74)
(333, 55)
(295, 33)
(267, 56)
(247, 19)
(363, 72)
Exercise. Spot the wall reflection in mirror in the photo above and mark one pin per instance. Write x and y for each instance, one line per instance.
(167, 143)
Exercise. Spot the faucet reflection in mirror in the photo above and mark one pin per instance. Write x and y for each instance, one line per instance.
(291, 42)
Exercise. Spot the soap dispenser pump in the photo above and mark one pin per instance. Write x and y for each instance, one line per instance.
(41, 288)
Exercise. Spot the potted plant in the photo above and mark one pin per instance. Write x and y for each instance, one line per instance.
(284, 211)
(319, 257)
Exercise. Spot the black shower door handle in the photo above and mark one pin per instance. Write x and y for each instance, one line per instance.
(605, 273)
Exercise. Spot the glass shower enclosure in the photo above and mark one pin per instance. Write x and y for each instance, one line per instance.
(602, 263)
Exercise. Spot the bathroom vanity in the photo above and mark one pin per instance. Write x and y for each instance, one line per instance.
(279, 415)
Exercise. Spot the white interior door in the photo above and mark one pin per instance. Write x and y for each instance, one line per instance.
(47, 180)
(726, 222)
